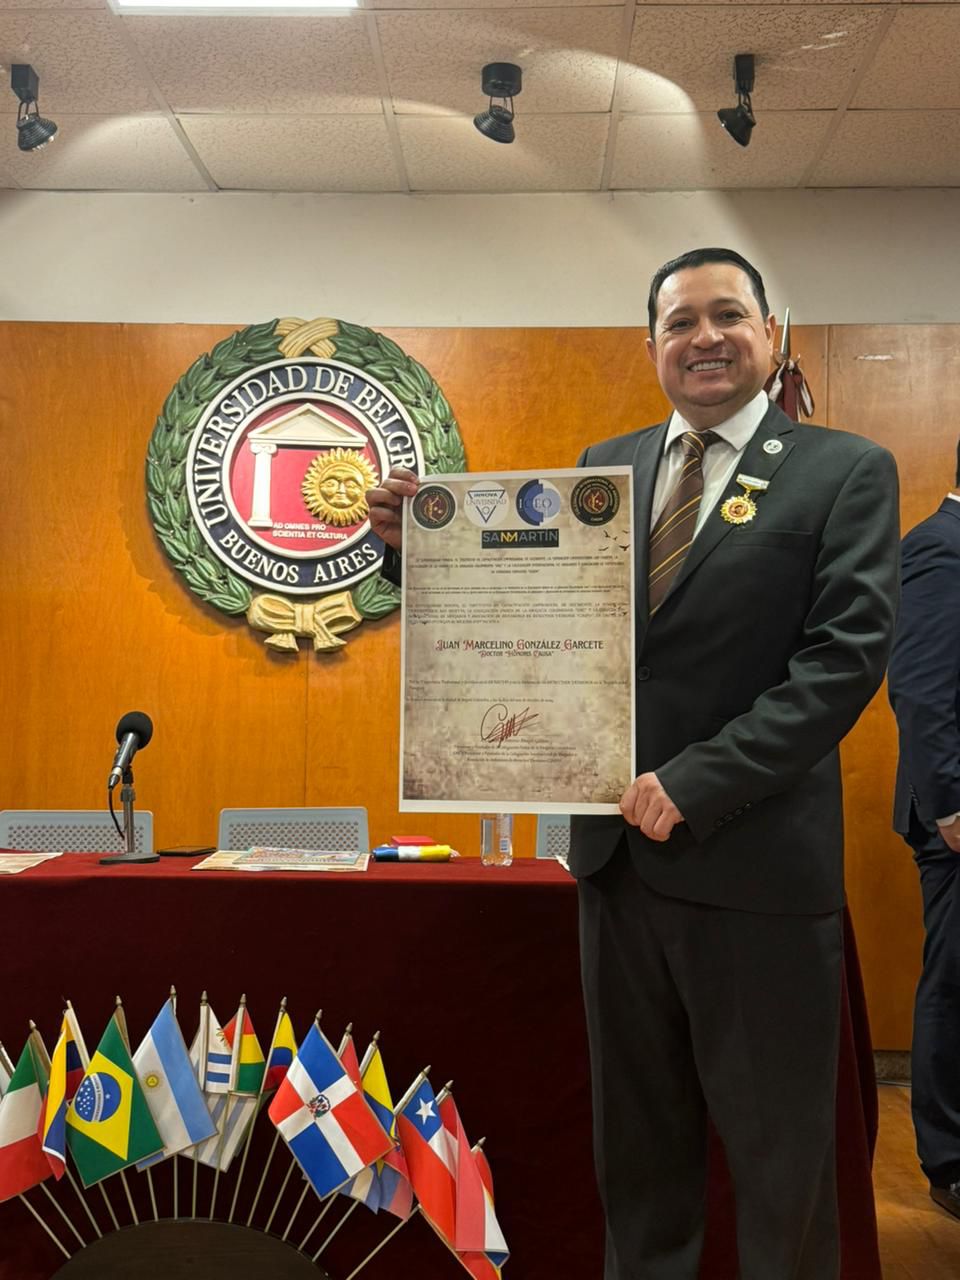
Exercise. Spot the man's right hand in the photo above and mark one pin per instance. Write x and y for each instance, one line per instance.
(386, 505)
(951, 834)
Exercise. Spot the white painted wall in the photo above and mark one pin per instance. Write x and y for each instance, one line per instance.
(842, 257)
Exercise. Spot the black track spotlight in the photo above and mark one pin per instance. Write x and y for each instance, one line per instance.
(500, 80)
(33, 131)
(739, 121)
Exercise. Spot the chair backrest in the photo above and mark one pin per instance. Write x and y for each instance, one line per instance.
(553, 836)
(71, 830)
(333, 829)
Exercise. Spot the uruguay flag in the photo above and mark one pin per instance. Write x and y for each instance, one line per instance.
(324, 1119)
(430, 1159)
(170, 1086)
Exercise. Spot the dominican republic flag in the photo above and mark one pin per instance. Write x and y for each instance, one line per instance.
(430, 1159)
(323, 1118)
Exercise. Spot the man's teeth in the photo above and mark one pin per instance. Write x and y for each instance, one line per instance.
(709, 364)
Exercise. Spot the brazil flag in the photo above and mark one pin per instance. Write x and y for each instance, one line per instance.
(109, 1125)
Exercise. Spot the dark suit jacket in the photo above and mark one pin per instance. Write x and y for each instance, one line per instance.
(767, 648)
(924, 678)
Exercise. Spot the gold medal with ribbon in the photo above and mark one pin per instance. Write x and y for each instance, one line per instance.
(741, 508)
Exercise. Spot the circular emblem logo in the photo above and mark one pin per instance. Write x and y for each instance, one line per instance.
(595, 500)
(260, 463)
(486, 504)
(97, 1098)
(433, 507)
(739, 510)
(538, 502)
(319, 1105)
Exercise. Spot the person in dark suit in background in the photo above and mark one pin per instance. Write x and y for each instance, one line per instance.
(711, 944)
(924, 685)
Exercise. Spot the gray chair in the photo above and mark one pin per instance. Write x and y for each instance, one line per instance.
(330, 829)
(553, 837)
(71, 830)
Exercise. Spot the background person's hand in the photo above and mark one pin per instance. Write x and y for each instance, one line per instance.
(951, 834)
(386, 505)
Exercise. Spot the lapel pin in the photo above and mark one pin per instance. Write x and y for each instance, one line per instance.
(772, 446)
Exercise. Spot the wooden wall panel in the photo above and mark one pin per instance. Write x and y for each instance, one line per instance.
(95, 622)
(893, 384)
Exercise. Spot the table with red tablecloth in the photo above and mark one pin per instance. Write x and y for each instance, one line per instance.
(471, 969)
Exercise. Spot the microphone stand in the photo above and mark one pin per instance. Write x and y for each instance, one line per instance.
(129, 855)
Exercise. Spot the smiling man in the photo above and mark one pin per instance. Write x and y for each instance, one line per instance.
(710, 926)
(710, 912)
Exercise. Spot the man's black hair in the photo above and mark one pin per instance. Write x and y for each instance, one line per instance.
(700, 258)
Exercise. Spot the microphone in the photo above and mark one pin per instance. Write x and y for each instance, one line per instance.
(134, 731)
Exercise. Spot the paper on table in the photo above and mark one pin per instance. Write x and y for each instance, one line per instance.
(272, 859)
(13, 861)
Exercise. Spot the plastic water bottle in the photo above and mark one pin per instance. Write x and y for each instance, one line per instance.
(496, 839)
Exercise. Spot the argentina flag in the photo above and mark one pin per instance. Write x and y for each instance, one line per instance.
(170, 1086)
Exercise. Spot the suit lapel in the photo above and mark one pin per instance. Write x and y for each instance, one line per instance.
(646, 464)
(756, 461)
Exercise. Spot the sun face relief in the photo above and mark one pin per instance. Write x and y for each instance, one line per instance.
(335, 487)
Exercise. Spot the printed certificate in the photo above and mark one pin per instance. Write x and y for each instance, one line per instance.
(518, 643)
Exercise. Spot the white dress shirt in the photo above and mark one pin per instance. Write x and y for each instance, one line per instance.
(719, 461)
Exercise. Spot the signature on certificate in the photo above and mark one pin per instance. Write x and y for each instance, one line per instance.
(498, 724)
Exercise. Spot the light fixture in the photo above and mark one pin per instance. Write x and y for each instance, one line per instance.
(33, 131)
(500, 80)
(739, 121)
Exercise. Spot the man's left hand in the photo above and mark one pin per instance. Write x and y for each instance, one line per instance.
(646, 805)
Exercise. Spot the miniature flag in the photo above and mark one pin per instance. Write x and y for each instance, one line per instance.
(248, 1055)
(212, 1055)
(477, 1231)
(76, 1053)
(396, 1193)
(365, 1187)
(109, 1125)
(53, 1125)
(283, 1050)
(22, 1162)
(170, 1085)
(6, 1070)
(231, 1114)
(323, 1118)
(430, 1159)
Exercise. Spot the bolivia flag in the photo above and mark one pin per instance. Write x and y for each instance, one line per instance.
(109, 1125)
(249, 1056)
(22, 1162)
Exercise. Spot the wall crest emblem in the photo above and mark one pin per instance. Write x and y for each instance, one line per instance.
(259, 463)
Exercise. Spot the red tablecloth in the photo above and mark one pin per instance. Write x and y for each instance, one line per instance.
(471, 969)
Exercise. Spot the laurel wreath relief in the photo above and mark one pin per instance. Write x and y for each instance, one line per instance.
(244, 350)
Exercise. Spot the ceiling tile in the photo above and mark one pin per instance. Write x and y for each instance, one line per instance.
(568, 57)
(316, 65)
(551, 153)
(109, 153)
(81, 59)
(302, 153)
(691, 152)
(682, 55)
(916, 64)
(892, 149)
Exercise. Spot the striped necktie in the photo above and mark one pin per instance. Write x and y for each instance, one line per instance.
(672, 535)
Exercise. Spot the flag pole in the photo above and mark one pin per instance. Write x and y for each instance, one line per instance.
(246, 1145)
(239, 1022)
(77, 1034)
(293, 1162)
(121, 1018)
(374, 1041)
(386, 1240)
(176, 1166)
(62, 1212)
(263, 1175)
(354, 1205)
(38, 1050)
(293, 1216)
(202, 1080)
(66, 1253)
(320, 1217)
